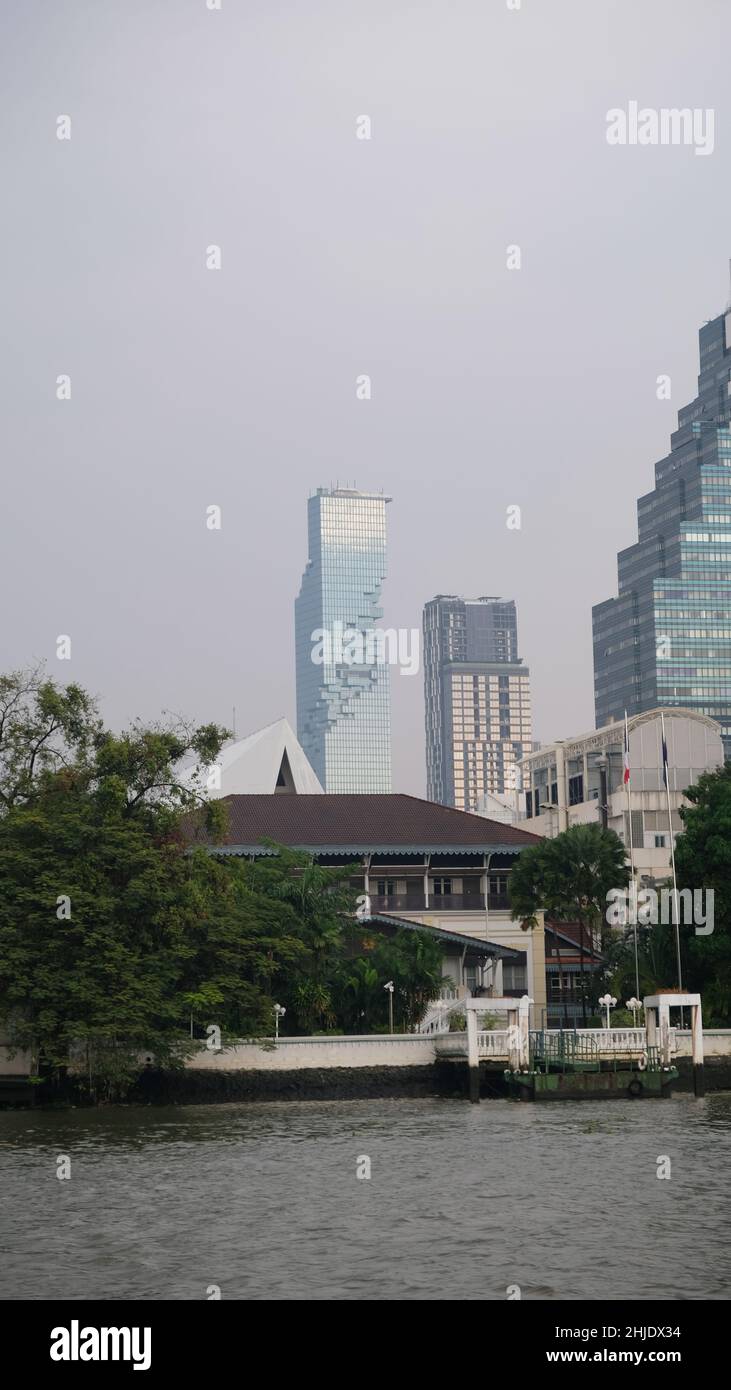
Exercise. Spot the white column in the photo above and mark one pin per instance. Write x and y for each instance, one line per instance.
(696, 1024)
(563, 811)
(513, 1039)
(524, 1026)
(664, 1016)
(473, 1056)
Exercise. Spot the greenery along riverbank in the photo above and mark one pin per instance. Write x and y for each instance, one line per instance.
(116, 939)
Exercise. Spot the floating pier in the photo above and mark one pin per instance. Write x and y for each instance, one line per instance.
(586, 1063)
(571, 1066)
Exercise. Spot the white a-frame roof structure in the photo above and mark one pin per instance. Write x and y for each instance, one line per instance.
(271, 760)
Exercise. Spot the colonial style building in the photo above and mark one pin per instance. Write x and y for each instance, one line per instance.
(420, 865)
(580, 780)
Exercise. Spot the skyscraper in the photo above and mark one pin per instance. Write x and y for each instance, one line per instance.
(477, 696)
(666, 638)
(343, 687)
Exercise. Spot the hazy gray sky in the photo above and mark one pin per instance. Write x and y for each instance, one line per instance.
(192, 387)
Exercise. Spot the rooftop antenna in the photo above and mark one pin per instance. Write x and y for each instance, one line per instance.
(728, 306)
(234, 721)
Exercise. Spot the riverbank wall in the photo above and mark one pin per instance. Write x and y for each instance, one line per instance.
(369, 1066)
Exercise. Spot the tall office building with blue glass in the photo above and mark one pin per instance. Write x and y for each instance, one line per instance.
(343, 686)
(666, 639)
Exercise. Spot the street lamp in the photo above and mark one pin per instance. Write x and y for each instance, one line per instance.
(389, 988)
(602, 763)
(608, 1002)
(279, 1012)
(635, 1005)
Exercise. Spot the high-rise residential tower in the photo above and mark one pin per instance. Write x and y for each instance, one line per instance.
(477, 696)
(343, 687)
(666, 639)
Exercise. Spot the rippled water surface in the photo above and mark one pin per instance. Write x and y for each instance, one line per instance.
(264, 1201)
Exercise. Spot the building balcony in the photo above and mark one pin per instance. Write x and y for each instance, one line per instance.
(442, 902)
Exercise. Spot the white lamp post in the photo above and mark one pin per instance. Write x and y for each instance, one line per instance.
(608, 1002)
(389, 988)
(279, 1012)
(635, 1005)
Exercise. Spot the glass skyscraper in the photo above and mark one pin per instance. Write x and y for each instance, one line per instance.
(343, 685)
(666, 638)
(477, 699)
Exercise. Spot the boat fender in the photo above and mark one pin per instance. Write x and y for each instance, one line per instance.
(635, 1087)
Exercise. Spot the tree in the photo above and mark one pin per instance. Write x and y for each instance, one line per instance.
(413, 960)
(92, 935)
(569, 877)
(703, 862)
(43, 728)
(121, 935)
(99, 912)
(361, 1002)
(323, 907)
(243, 946)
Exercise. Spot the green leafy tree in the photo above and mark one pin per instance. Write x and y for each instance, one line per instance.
(43, 728)
(703, 862)
(413, 960)
(99, 912)
(361, 1003)
(323, 906)
(92, 935)
(569, 877)
(410, 959)
(243, 947)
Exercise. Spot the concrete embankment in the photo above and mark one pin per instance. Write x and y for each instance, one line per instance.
(198, 1087)
(331, 1068)
(716, 1074)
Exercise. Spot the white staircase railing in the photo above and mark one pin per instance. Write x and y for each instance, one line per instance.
(436, 1018)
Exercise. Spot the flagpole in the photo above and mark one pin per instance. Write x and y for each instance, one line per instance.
(676, 912)
(633, 895)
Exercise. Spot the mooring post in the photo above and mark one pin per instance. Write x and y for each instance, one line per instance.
(473, 1056)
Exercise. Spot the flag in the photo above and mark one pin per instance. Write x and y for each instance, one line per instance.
(664, 758)
(626, 750)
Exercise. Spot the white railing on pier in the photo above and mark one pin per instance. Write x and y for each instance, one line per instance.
(493, 1043)
(614, 1040)
(609, 1042)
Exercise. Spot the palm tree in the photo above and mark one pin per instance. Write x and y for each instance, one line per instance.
(570, 877)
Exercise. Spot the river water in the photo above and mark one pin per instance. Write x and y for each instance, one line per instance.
(263, 1201)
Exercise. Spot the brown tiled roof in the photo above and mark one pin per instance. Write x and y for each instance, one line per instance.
(337, 823)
